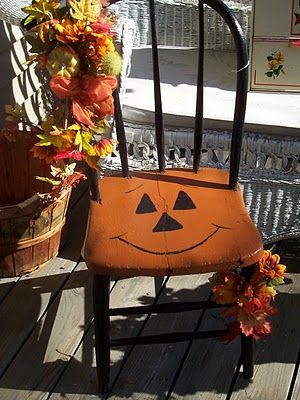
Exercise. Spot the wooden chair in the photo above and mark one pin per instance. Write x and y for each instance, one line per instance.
(170, 222)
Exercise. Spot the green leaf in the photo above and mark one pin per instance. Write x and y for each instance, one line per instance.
(270, 58)
(269, 74)
(37, 46)
(74, 127)
(82, 140)
(29, 19)
(48, 140)
(52, 182)
(86, 137)
(276, 72)
(101, 127)
(78, 140)
(40, 10)
(38, 16)
(276, 282)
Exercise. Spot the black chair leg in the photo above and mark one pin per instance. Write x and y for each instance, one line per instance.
(247, 356)
(158, 282)
(247, 342)
(102, 335)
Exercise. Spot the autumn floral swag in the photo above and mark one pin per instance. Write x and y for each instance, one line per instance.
(250, 299)
(72, 43)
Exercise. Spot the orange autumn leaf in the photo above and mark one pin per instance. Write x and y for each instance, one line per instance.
(253, 317)
(269, 265)
(64, 87)
(67, 31)
(104, 147)
(82, 114)
(225, 287)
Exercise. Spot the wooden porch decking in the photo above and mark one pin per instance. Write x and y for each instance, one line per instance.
(46, 340)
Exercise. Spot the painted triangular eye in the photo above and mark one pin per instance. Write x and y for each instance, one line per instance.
(183, 202)
(145, 205)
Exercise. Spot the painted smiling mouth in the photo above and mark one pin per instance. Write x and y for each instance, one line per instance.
(161, 253)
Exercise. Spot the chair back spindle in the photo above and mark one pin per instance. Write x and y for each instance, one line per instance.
(198, 132)
(120, 130)
(240, 100)
(159, 124)
(241, 86)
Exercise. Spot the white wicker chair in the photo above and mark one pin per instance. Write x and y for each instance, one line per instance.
(177, 22)
(269, 173)
(270, 165)
(10, 11)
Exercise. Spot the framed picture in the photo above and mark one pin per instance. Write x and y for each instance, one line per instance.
(275, 46)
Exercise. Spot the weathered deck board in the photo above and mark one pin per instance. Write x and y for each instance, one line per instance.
(55, 338)
(149, 371)
(28, 299)
(276, 356)
(208, 370)
(35, 292)
(56, 356)
(296, 389)
(6, 284)
(79, 379)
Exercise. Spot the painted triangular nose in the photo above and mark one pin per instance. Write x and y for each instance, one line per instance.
(167, 223)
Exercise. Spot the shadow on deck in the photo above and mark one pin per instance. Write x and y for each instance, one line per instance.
(47, 350)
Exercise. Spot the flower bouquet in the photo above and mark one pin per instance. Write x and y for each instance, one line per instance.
(72, 46)
(73, 43)
(250, 298)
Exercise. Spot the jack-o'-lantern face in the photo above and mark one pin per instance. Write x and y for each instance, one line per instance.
(167, 221)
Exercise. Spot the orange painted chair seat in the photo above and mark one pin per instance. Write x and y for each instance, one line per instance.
(172, 223)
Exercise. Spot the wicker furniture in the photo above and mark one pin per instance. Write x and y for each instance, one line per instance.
(270, 164)
(177, 23)
(269, 173)
(10, 11)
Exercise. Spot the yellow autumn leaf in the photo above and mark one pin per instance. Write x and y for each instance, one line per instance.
(92, 161)
(86, 10)
(78, 141)
(43, 31)
(40, 10)
(74, 127)
(271, 291)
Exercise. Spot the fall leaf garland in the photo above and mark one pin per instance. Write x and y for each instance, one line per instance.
(72, 42)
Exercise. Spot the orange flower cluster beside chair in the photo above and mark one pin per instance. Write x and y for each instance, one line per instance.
(253, 298)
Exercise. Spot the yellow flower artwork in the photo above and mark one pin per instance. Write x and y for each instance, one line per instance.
(275, 64)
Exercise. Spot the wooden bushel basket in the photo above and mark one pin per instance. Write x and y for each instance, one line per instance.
(30, 234)
(30, 224)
